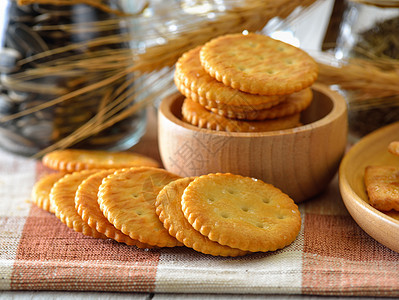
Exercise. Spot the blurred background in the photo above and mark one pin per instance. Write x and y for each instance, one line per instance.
(82, 74)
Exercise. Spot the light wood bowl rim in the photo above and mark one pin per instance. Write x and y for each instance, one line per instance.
(338, 108)
(366, 216)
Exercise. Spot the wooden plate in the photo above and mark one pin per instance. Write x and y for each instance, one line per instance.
(371, 150)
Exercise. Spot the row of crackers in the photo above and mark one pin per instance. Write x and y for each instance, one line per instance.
(126, 197)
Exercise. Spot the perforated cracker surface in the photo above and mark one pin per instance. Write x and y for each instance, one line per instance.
(62, 198)
(258, 64)
(295, 103)
(87, 206)
(168, 207)
(241, 212)
(71, 160)
(127, 200)
(191, 78)
(197, 115)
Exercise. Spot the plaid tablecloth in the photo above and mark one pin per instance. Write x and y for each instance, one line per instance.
(331, 256)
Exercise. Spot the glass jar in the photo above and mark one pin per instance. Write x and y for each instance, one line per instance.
(65, 79)
(81, 73)
(369, 31)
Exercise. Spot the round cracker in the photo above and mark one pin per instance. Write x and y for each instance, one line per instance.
(72, 160)
(222, 106)
(62, 198)
(295, 103)
(241, 212)
(393, 147)
(86, 204)
(127, 199)
(169, 210)
(190, 76)
(197, 115)
(41, 190)
(258, 64)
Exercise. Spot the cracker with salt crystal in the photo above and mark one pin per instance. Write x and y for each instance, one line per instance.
(71, 160)
(295, 103)
(86, 204)
(258, 64)
(194, 82)
(127, 199)
(169, 210)
(241, 212)
(62, 198)
(197, 115)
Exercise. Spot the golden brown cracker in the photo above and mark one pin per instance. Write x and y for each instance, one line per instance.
(295, 103)
(62, 198)
(258, 64)
(217, 105)
(71, 160)
(197, 115)
(241, 212)
(169, 210)
(86, 204)
(382, 185)
(393, 147)
(195, 83)
(127, 199)
(41, 190)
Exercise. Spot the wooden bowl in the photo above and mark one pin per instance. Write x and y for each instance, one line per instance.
(300, 161)
(371, 150)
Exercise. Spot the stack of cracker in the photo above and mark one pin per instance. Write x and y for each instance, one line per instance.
(245, 83)
(127, 198)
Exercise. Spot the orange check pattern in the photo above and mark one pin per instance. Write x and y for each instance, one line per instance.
(331, 256)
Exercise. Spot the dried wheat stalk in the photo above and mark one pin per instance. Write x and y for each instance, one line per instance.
(109, 67)
(251, 15)
(366, 79)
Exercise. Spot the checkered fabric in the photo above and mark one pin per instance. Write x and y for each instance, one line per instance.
(331, 256)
